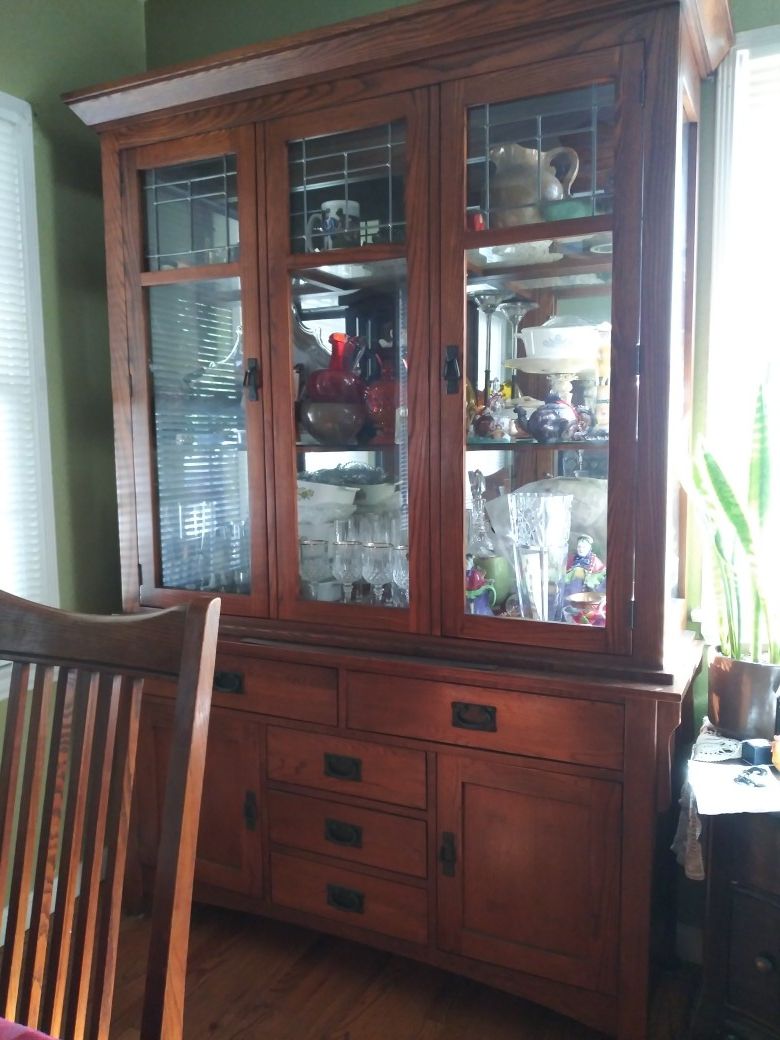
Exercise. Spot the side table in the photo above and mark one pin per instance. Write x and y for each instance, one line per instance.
(740, 996)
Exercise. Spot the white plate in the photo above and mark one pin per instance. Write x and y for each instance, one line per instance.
(521, 253)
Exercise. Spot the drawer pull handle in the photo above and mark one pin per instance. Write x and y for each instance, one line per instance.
(764, 963)
(345, 834)
(348, 900)
(342, 767)
(474, 716)
(228, 682)
(448, 856)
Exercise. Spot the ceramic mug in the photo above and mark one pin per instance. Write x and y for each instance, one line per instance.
(335, 226)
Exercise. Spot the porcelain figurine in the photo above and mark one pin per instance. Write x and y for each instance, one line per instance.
(480, 592)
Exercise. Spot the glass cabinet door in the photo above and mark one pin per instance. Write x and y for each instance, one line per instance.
(194, 380)
(540, 385)
(346, 207)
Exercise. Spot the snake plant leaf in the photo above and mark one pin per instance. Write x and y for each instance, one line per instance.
(729, 503)
(760, 471)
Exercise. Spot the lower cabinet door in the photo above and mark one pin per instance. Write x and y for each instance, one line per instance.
(229, 846)
(529, 870)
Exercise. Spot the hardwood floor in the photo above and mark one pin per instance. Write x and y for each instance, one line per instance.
(256, 979)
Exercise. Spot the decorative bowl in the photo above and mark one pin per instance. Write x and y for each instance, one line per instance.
(331, 422)
(575, 342)
(313, 493)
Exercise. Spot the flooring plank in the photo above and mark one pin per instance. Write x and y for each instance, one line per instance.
(255, 979)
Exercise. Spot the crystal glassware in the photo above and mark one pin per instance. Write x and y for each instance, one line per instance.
(539, 525)
(347, 565)
(377, 567)
(514, 310)
(400, 562)
(488, 300)
(314, 565)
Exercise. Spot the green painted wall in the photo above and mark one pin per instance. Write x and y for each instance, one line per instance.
(754, 14)
(46, 48)
(182, 30)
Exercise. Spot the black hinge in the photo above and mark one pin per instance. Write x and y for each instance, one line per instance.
(140, 574)
(253, 379)
(447, 854)
(250, 811)
(638, 358)
(632, 613)
(451, 373)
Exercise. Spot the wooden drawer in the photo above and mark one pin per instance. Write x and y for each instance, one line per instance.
(754, 840)
(562, 728)
(351, 767)
(754, 958)
(352, 899)
(302, 692)
(378, 839)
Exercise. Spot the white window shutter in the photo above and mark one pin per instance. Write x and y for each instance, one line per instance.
(27, 545)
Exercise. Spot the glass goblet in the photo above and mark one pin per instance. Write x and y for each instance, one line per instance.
(487, 300)
(347, 565)
(313, 565)
(377, 567)
(514, 310)
(400, 558)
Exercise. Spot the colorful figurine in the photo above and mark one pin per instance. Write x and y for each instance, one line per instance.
(585, 572)
(480, 592)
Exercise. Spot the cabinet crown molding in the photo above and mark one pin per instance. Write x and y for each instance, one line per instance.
(399, 34)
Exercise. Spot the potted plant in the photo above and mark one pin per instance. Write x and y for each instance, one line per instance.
(744, 673)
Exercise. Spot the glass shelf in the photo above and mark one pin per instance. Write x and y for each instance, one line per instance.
(528, 444)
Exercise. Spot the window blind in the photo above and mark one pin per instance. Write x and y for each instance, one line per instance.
(200, 434)
(27, 555)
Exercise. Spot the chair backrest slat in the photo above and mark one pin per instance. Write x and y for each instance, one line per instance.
(26, 836)
(60, 939)
(117, 827)
(66, 782)
(31, 991)
(95, 840)
(10, 766)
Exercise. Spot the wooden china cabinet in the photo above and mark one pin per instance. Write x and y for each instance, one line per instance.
(398, 331)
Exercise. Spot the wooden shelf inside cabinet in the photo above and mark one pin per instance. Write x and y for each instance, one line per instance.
(340, 448)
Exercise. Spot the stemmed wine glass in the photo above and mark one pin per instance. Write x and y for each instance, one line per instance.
(377, 567)
(314, 565)
(347, 565)
(488, 300)
(514, 310)
(400, 558)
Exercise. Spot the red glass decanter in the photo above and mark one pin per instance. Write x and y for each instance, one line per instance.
(381, 403)
(337, 383)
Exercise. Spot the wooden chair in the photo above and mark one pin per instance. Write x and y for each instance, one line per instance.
(66, 779)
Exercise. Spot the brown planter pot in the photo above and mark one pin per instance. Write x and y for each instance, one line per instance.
(743, 698)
